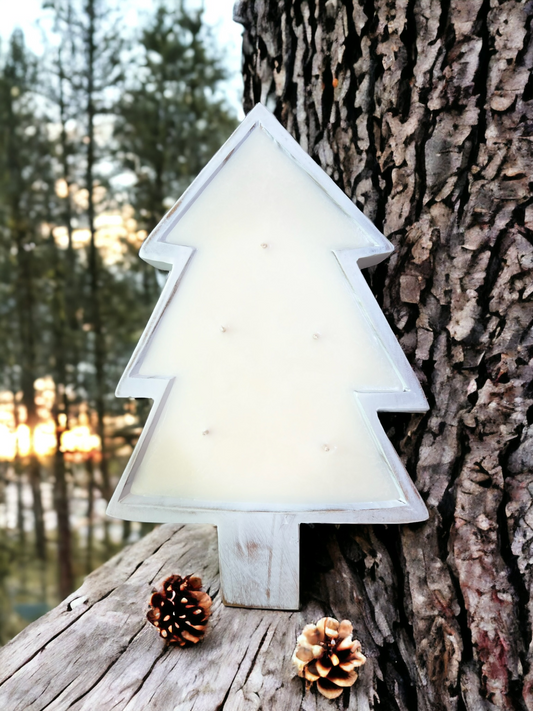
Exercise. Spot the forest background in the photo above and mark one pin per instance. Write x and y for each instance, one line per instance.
(100, 133)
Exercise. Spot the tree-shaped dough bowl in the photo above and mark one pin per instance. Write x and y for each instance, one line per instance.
(267, 359)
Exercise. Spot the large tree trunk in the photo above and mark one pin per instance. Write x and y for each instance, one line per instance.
(422, 112)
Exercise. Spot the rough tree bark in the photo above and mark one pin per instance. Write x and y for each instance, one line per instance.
(421, 110)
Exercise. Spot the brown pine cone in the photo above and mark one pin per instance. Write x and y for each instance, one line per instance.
(180, 610)
(326, 653)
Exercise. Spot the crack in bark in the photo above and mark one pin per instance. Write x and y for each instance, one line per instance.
(26, 660)
(252, 665)
(147, 675)
(106, 670)
(221, 706)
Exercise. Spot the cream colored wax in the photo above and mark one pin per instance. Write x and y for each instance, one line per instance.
(267, 346)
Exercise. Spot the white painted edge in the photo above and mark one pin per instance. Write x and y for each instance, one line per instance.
(174, 258)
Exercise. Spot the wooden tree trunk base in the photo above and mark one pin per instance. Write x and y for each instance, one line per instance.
(96, 650)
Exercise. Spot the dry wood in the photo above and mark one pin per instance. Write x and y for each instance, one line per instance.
(96, 650)
(422, 111)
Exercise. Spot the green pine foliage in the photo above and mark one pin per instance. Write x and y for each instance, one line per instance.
(172, 116)
(26, 198)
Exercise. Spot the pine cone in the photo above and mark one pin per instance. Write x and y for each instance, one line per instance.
(180, 610)
(326, 653)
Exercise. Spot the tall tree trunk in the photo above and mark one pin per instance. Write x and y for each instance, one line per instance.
(34, 471)
(64, 536)
(26, 316)
(17, 465)
(20, 507)
(89, 551)
(60, 414)
(71, 289)
(65, 326)
(422, 112)
(94, 280)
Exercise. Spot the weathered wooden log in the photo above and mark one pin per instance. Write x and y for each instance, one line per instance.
(97, 651)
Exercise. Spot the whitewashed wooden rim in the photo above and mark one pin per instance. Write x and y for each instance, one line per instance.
(174, 258)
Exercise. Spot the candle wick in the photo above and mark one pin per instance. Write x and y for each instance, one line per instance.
(205, 432)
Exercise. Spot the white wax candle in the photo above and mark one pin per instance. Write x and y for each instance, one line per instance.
(267, 344)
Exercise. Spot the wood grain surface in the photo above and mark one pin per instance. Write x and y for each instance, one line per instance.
(97, 652)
